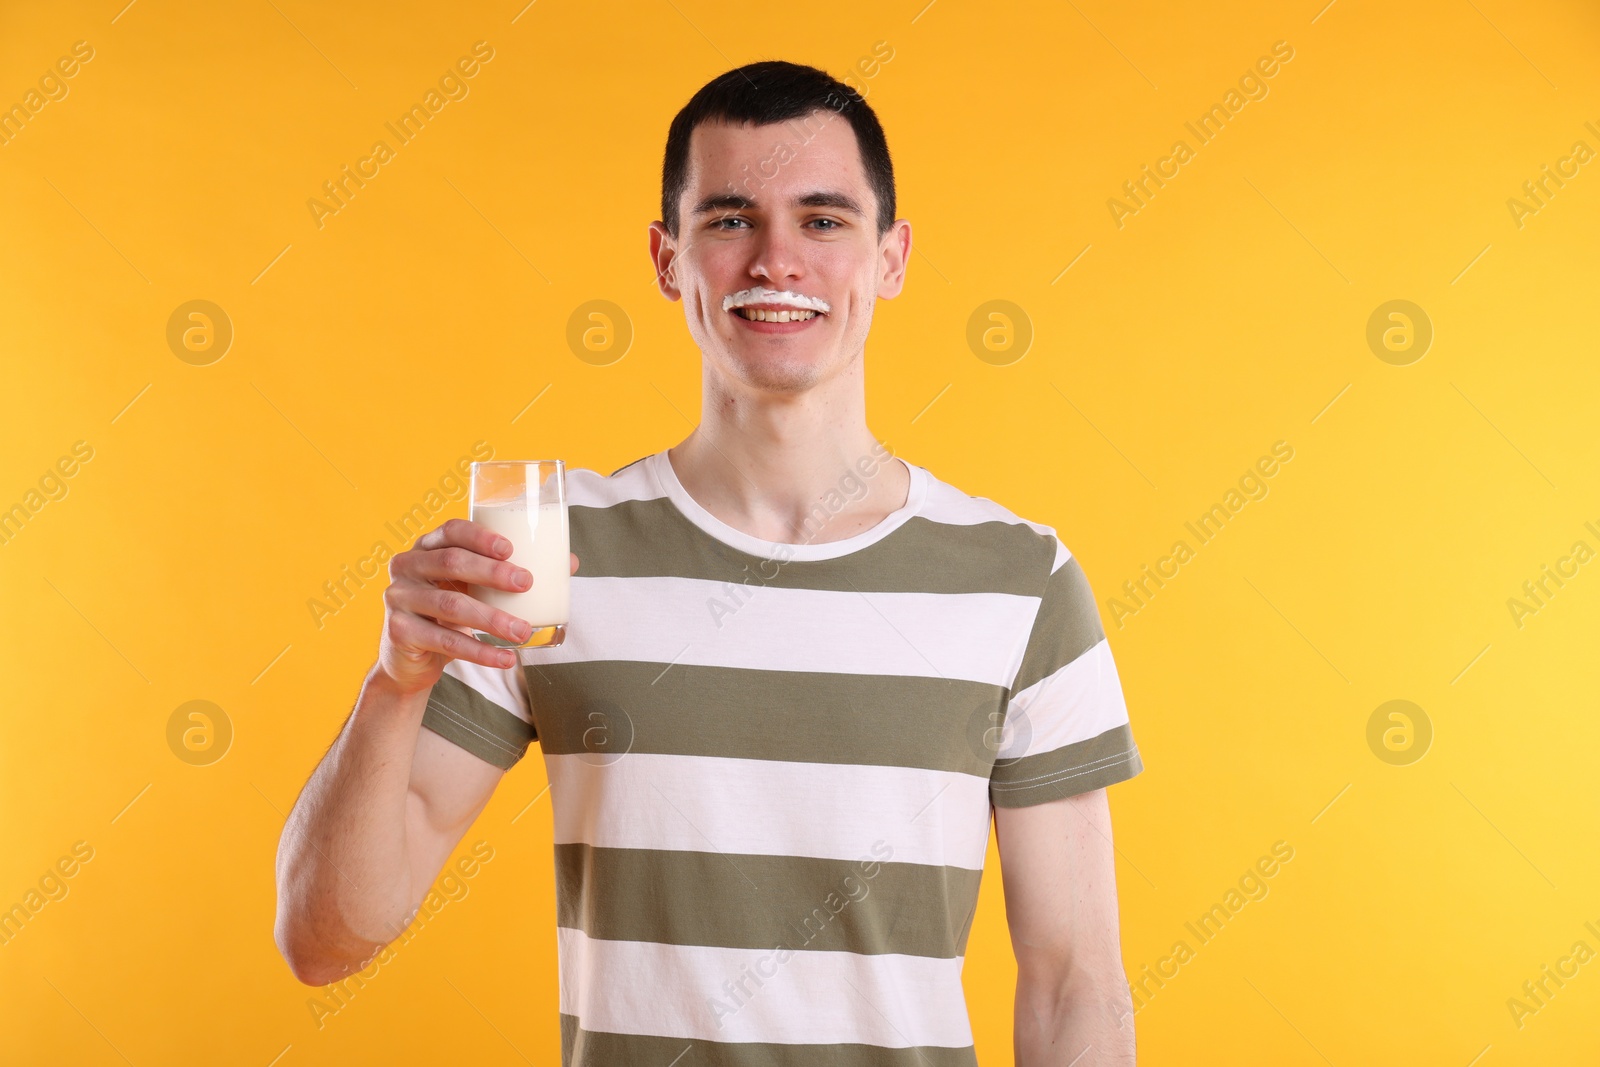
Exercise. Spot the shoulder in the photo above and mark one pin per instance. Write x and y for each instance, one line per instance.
(591, 488)
(1035, 544)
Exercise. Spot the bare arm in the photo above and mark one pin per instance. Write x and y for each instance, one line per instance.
(1073, 1004)
(389, 801)
(370, 832)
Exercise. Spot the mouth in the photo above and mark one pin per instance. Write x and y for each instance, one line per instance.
(764, 310)
(775, 320)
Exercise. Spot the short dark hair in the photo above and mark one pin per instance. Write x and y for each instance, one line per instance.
(768, 92)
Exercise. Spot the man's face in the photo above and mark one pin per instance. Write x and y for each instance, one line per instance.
(779, 218)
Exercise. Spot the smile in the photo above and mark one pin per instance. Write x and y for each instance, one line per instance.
(775, 320)
(770, 315)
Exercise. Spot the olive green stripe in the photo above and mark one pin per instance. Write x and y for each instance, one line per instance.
(1067, 626)
(1067, 771)
(586, 1048)
(459, 713)
(616, 706)
(867, 906)
(651, 538)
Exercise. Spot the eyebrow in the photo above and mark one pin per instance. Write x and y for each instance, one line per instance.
(739, 202)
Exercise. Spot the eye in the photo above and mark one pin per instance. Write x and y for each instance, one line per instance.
(716, 224)
(833, 224)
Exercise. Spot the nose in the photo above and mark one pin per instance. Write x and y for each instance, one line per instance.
(777, 257)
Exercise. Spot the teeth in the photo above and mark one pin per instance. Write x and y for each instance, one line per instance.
(764, 315)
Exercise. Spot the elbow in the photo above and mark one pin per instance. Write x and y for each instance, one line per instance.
(310, 957)
(312, 968)
(1056, 995)
(295, 927)
(1046, 965)
(1045, 987)
(315, 959)
(308, 975)
(1062, 976)
(312, 931)
(293, 947)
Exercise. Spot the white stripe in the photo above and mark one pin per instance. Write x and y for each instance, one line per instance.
(1062, 553)
(639, 987)
(770, 808)
(951, 506)
(1081, 700)
(589, 488)
(504, 686)
(667, 480)
(970, 636)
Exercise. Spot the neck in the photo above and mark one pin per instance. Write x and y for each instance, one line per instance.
(792, 467)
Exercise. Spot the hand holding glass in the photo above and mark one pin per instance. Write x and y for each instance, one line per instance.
(525, 501)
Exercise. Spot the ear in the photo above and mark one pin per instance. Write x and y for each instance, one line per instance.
(663, 251)
(894, 252)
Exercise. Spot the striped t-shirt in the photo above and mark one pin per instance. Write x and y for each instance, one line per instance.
(772, 765)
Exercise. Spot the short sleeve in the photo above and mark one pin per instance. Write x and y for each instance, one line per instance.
(1066, 728)
(485, 710)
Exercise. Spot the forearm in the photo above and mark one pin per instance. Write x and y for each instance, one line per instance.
(1074, 1017)
(343, 870)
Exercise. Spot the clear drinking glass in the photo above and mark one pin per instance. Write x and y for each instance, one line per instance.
(525, 501)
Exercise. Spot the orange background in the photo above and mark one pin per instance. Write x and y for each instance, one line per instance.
(431, 312)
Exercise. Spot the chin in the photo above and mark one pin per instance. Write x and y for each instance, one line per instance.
(776, 374)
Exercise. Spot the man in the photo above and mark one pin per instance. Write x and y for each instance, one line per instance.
(800, 675)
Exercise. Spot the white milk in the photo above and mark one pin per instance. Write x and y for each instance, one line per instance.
(538, 539)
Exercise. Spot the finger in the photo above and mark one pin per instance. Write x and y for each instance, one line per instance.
(467, 534)
(574, 556)
(451, 608)
(416, 632)
(455, 563)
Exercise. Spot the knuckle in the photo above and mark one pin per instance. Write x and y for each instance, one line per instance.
(454, 559)
(451, 603)
(400, 627)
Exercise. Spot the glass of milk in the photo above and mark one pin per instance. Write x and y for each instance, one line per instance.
(525, 501)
